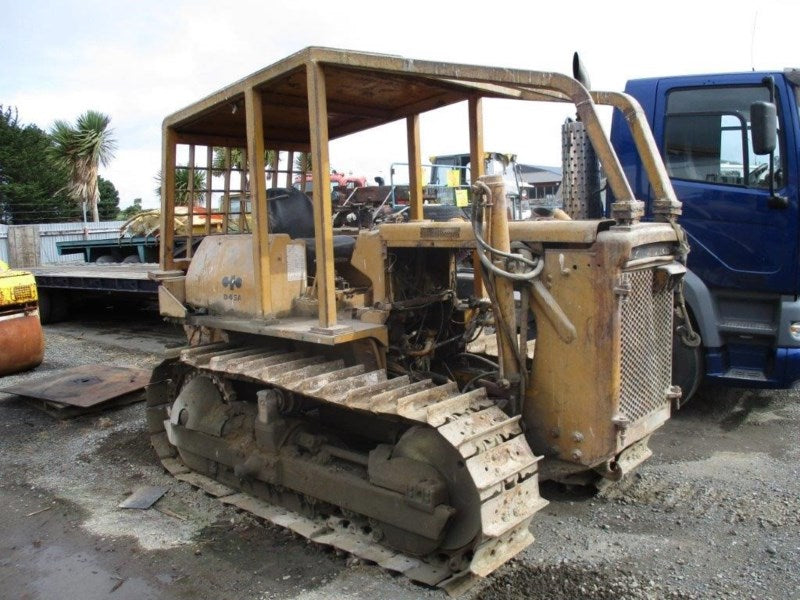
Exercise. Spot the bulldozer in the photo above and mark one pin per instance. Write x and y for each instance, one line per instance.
(327, 384)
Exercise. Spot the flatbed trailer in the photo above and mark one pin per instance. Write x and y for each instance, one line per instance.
(62, 285)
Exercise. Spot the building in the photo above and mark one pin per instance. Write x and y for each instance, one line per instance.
(545, 181)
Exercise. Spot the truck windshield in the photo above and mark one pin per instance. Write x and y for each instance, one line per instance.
(797, 99)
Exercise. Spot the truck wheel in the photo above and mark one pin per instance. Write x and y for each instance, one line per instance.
(131, 259)
(687, 367)
(105, 259)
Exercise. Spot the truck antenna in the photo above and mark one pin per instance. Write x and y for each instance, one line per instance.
(753, 42)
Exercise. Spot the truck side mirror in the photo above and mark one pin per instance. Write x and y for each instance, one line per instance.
(764, 127)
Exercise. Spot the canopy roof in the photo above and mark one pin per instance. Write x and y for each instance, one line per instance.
(364, 90)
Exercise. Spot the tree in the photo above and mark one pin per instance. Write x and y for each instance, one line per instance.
(218, 162)
(30, 182)
(130, 211)
(182, 186)
(108, 204)
(302, 162)
(81, 150)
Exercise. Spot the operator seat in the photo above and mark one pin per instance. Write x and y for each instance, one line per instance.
(292, 212)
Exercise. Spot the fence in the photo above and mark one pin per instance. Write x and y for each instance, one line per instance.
(18, 242)
(4, 243)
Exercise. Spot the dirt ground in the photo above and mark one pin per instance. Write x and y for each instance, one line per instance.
(714, 514)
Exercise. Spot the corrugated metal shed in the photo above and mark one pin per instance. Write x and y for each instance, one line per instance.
(51, 233)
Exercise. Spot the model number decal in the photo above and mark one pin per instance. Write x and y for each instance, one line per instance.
(440, 232)
(233, 282)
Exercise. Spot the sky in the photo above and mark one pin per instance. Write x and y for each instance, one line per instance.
(141, 61)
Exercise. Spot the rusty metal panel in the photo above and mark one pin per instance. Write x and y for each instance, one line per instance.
(85, 386)
(615, 313)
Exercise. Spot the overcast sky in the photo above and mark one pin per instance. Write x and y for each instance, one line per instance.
(140, 61)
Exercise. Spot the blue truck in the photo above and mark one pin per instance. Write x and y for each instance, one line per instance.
(731, 146)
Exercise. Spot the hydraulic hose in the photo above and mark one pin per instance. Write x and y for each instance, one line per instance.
(536, 265)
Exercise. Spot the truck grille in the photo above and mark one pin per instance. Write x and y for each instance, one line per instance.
(646, 360)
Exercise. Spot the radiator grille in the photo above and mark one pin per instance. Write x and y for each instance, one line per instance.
(646, 360)
(23, 293)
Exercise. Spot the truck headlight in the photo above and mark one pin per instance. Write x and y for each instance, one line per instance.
(794, 329)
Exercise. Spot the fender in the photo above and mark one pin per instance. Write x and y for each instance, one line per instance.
(701, 303)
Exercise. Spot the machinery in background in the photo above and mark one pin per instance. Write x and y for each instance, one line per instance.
(21, 337)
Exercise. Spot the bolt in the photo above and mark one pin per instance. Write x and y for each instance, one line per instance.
(577, 454)
(577, 436)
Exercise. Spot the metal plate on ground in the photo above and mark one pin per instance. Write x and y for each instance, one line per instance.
(143, 497)
(84, 386)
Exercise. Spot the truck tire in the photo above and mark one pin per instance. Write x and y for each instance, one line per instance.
(687, 367)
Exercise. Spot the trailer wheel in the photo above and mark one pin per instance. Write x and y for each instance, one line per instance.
(53, 306)
(45, 304)
(131, 259)
(59, 307)
(687, 366)
(105, 259)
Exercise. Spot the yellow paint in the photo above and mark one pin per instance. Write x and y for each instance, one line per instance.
(453, 178)
(16, 287)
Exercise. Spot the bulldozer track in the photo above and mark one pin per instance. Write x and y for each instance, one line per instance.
(502, 466)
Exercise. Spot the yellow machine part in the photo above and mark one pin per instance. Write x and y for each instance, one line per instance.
(16, 287)
(21, 337)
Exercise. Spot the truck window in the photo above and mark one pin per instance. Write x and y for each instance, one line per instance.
(707, 137)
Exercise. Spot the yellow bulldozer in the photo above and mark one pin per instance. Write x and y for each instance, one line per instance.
(21, 337)
(330, 383)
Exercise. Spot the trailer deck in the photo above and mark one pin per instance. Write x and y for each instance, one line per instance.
(95, 277)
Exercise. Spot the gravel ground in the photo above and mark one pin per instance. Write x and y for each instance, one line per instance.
(714, 514)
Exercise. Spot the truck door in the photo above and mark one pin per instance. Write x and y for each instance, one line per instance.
(739, 239)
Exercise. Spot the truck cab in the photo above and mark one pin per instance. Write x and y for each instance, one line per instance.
(740, 213)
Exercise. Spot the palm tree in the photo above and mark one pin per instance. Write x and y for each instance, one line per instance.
(302, 162)
(182, 186)
(82, 149)
(218, 162)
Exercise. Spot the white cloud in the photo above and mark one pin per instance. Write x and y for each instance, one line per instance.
(139, 62)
